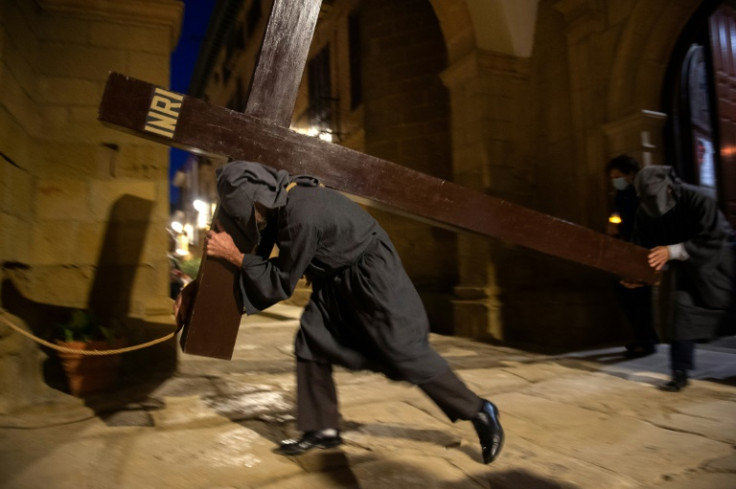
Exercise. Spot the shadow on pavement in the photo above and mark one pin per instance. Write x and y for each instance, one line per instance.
(346, 471)
(516, 479)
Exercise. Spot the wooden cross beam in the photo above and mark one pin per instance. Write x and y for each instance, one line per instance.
(261, 134)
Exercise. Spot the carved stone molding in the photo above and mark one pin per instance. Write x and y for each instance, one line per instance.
(582, 16)
(574, 10)
(481, 62)
(638, 134)
(167, 13)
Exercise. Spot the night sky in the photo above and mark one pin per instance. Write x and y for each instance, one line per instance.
(183, 59)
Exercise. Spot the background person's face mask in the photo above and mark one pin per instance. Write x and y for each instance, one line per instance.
(619, 183)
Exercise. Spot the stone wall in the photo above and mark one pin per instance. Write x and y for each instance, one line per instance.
(407, 121)
(83, 208)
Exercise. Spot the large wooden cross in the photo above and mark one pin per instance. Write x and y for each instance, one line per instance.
(262, 134)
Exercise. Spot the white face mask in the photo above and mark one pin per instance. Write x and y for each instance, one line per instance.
(620, 183)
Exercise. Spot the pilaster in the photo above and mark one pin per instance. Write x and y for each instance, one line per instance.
(483, 88)
(639, 135)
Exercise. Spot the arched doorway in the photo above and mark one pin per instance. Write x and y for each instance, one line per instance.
(698, 93)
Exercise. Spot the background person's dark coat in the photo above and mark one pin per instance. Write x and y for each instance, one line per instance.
(702, 287)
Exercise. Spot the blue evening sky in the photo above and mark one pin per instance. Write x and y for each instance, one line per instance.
(194, 27)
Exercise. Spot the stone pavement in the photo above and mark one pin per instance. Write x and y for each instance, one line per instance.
(587, 420)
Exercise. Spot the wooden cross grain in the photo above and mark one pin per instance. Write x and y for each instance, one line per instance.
(261, 134)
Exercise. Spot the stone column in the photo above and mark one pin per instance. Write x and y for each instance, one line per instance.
(484, 87)
(101, 196)
(584, 29)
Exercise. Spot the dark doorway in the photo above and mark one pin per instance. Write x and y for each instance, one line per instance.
(700, 96)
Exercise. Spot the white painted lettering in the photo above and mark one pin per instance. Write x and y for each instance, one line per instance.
(163, 112)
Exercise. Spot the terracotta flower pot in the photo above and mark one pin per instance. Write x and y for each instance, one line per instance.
(88, 374)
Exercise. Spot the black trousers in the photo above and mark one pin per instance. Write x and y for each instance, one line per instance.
(682, 355)
(637, 307)
(317, 405)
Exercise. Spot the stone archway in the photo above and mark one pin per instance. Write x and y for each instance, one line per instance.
(501, 26)
(457, 27)
(635, 123)
(607, 80)
(643, 54)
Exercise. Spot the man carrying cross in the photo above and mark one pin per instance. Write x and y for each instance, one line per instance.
(364, 312)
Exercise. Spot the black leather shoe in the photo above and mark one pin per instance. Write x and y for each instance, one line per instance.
(679, 381)
(490, 432)
(309, 440)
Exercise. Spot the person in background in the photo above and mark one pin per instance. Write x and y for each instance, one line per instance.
(635, 302)
(177, 277)
(364, 312)
(688, 235)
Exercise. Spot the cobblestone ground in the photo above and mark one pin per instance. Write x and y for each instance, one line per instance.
(588, 420)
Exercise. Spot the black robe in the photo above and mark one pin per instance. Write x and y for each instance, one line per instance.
(625, 203)
(364, 312)
(702, 287)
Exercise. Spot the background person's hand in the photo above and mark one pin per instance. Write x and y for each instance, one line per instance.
(658, 256)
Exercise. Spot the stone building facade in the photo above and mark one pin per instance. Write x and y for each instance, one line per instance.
(523, 99)
(83, 208)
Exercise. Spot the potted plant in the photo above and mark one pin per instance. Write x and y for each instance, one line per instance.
(87, 373)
